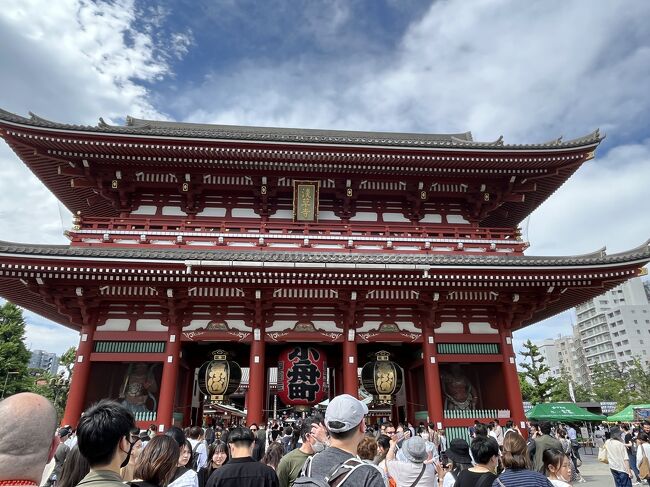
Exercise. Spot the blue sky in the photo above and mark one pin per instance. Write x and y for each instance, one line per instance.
(530, 71)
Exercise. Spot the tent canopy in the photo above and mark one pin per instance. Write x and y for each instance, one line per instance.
(627, 414)
(562, 411)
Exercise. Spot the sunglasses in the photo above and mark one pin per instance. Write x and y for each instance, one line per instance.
(253, 429)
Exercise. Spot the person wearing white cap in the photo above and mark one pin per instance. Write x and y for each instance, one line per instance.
(344, 420)
(413, 471)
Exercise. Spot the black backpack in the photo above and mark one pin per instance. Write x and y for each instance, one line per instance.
(194, 461)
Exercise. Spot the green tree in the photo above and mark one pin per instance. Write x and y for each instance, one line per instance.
(67, 360)
(561, 390)
(526, 388)
(54, 387)
(534, 369)
(624, 384)
(610, 382)
(14, 356)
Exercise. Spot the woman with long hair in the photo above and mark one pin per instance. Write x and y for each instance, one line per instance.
(74, 469)
(383, 445)
(557, 467)
(273, 455)
(157, 462)
(217, 456)
(517, 465)
(184, 476)
(642, 450)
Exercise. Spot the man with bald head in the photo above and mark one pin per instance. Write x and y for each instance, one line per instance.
(27, 441)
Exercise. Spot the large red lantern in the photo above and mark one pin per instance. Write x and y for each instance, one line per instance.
(301, 373)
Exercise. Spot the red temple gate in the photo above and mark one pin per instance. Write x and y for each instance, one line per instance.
(261, 238)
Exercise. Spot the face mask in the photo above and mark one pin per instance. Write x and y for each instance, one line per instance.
(318, 446)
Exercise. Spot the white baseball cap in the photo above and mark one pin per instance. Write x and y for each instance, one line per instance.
(347, 410)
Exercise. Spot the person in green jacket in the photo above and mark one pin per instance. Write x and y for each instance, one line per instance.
(314, 436)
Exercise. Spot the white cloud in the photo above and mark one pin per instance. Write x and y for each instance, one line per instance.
(70, 61)
(525, 70)
(41, 335)
(604, 204)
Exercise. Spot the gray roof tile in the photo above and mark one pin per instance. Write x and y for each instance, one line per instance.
(292, 135)
(461, 260)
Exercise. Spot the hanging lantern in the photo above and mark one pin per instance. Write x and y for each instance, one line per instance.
(382, 378)
(301, 373)
(219, 378)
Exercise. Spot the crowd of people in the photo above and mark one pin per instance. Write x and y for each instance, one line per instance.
(337, 449)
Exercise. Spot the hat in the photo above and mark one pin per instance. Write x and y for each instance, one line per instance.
(344, 409)
(458, 451)
(64, 432)
(615, 432)
(414, 449)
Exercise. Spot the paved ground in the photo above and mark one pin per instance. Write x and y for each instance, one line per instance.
(595, 473)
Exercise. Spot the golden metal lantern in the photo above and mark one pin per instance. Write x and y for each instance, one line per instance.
(219, 377)
(382, 378)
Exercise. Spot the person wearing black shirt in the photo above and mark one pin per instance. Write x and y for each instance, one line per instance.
(485, 452)
(241, 470)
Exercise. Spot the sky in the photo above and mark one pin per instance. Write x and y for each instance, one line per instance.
(530, 71)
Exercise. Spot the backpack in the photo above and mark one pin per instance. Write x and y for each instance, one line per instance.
(335, 478)
(194, 463)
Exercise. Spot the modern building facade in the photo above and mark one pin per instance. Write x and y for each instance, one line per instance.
(563, 355)
(191, 237)
(614, 327)
(43, 360)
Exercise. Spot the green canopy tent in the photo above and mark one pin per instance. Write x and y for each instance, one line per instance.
(562, 411)
(627, 414)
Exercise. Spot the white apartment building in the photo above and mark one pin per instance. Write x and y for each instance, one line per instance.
(549, 351)
(561, 355)
(613, 327)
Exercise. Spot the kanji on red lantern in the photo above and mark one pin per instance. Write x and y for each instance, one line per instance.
(302, 373)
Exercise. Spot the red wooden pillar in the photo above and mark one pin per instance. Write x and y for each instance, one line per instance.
(511, 378)
(80, 375)
(350, 363)
(256, 380)
(169, 379)
(411, 397)
(432, 378)
(188, 384)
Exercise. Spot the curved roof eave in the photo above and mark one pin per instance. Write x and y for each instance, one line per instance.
(639, 255)
(191, 131)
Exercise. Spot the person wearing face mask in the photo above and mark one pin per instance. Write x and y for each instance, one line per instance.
(104, 439)
(313, 436)
(430, 446)
(557, 467)
(127, 472)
